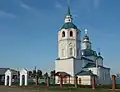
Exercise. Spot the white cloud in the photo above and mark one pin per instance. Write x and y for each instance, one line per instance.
(6, 14)
(57, 5)
(25, 6)
(29, 8)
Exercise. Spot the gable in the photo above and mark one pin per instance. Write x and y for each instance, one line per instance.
(23, 71)
(90, 65)
(85, 73)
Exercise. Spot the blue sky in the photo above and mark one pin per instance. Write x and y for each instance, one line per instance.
(28, 30)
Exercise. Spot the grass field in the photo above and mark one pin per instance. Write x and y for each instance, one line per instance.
(52, 89)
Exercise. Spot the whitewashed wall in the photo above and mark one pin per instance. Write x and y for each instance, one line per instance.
(104, 76)
(65, 66)
(68, 42)
(85, 80)
(100, 61)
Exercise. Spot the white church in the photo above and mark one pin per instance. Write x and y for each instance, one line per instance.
(76, 56)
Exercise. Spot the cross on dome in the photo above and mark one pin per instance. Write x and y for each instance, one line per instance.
(86, 31)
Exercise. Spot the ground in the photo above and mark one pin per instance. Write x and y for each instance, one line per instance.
(43, 89)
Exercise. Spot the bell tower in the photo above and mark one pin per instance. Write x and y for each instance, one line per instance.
(69, 47)
(69, 38)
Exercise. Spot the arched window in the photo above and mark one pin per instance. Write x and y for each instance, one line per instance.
(77, 35)
(63, 34)
(77, 52)
(71, 34)
(71, 51)
(63, 52)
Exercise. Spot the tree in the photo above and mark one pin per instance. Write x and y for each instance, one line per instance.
(46, 75)
(39, 73)
(30, 73)
(52, 74)
(34, 73)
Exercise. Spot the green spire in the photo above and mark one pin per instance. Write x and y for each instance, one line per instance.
(69, 13)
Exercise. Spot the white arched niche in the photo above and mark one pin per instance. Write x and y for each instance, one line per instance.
(24, 77)
(9, 76)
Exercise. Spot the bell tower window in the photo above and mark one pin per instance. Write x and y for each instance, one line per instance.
(63, 52)
(63, 34)
(77, 52)
(71, 34)
(71, 51)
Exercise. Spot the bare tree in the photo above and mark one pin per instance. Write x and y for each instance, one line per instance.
(39, 73)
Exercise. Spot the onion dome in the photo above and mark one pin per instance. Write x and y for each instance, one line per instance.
(99, 55)
(89, 52)
(86, 37)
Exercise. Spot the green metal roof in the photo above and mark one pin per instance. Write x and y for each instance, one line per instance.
(89, 52)
(90, 65)
(86, 37)
(68, 25)
(85, 73)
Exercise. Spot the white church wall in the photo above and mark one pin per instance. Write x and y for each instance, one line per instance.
(100, 61)
(94, 70)
(67, 42)
(104, 77)
(86, 46)
(66, 65)
(85, 80)
(78, 65)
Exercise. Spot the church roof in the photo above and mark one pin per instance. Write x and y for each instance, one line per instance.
(68, 25)
(84, 58)
(62, 74)
(86, 37)
(89, 52)
(3, 70)
(92, 65)
(85, 73)
(14, 72)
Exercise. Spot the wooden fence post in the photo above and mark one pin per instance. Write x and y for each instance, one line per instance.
(76, 81)
(93, 82)
(36, 80)
(48, 81)
(113, 82)
(61, 82)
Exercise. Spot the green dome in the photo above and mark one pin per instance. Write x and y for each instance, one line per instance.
(89, 52)
(100, 57)
(68, 25)
(86, 37)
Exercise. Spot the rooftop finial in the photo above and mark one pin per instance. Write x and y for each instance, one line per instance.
(69, 13)
(68, 17)
(99, 53)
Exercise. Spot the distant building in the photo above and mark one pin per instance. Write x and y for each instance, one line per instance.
(76, 60)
